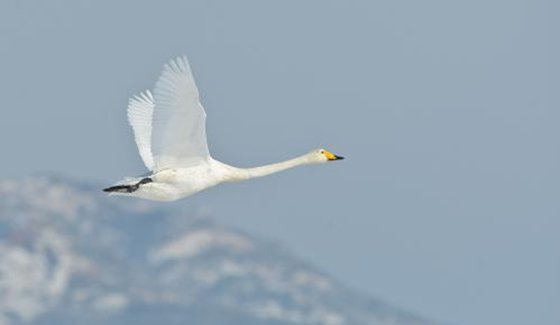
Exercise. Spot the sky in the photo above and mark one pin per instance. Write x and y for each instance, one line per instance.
(447, 111)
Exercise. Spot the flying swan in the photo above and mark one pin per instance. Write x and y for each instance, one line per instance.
(170, 132)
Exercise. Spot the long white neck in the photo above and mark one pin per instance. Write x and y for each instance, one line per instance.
(278, 167)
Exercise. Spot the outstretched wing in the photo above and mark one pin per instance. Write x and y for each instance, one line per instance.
(140, 112)
(179, 120)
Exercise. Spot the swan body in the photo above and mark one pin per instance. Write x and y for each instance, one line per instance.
(170, 132)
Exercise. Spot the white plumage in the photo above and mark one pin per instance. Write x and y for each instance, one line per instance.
(140, 112)
(170, 132)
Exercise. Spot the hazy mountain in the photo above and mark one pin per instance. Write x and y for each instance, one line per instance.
(70, 255)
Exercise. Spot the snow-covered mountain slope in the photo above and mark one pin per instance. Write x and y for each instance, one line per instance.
(70, 255)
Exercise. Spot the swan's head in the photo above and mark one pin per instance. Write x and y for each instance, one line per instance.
(322, 155)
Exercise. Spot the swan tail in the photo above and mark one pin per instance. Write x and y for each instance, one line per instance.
(127, 188)
(122, 188)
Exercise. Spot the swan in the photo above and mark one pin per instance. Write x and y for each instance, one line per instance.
(169, 129)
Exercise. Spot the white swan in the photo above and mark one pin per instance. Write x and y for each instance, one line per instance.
(170, 132)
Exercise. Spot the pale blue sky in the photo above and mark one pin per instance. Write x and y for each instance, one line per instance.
(448, 112)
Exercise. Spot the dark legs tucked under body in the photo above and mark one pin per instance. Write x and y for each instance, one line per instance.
(127, 188)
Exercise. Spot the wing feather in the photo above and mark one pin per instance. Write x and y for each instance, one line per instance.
(140, 112)
(179, 120)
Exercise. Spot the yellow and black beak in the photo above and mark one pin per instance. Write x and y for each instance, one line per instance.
(331, 157)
